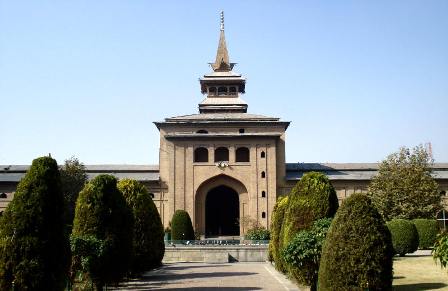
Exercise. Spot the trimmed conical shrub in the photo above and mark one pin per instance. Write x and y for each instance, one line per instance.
(312, 198)
(149, 246)
(102, 233)
(34, 246)
(181, 226)
(404, 236)
(276, 226)
(357, 253)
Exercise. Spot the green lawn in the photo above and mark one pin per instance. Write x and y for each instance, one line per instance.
(419, 273)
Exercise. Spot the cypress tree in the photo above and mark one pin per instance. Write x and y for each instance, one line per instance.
(34, 248)
(181, 226)
(102, 233)
(276, 225)
(357, 252)
(149, 246)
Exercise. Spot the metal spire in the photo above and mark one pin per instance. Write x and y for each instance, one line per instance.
(222, 62)
(222, 20)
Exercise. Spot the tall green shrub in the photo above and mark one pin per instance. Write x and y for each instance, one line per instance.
(149, 247)
(404, 236)
(102, 233)
(276, 226)
(357, 253)
(181, 226)
(427, 232)
(34, 247)
(303, 252)
(312, 198)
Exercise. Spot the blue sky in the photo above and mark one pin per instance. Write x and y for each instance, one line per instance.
(358, 79)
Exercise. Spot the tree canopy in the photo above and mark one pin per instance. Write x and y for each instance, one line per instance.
(73, 178)
(404, 187)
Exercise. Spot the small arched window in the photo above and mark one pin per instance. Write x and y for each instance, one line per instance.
(263, 155)
(443, 193)
(212, 91)
(152, 195)
(242, 154)
(221, 154)
(232, 90)
(3, 195)
(202, 131)
(222, 91)
(241, 130)
(263, 174)
(263, 194)
(201, 155)
(263, 214)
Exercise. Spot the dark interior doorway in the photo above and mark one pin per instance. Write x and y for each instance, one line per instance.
(222, 209)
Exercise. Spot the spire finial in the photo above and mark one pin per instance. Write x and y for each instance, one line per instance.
(222, 20)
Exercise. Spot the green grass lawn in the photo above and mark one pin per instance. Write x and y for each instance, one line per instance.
(419, 273)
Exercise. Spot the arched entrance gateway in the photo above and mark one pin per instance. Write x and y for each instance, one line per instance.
(222, 212)
(221, 202)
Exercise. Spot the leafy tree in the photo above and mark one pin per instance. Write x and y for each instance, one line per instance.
(181, 226)
(73, 177)
(101, 241)
(312, 198)
(276, 226)
(304, 251)
(440, 251)
(149, 246)
(357, 252)
(404, 236)
(404, 187)
(34, 247)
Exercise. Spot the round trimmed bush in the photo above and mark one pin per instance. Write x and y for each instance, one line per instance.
(404, 236)
(276, 226)
(357, 252)
(312, 198)
(427, 232)
(101, 237)
(149, 247)
(181, 226)
(257, 233)
(34, 245)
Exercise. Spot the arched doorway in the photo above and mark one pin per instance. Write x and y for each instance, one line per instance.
(222, 211)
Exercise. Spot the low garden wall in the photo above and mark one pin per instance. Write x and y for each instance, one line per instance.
(216, 254)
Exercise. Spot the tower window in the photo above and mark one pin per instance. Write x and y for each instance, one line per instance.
(263, 155)
(3, 195)
(211, 91)
(443, 193)
(263, 194)
(201, 155)
(242, 154)
(152, 195)
(221, 154)
(222, 91)
(202, 131)
(263, 214)
(232, 90)
(241, 130)
(263, 174)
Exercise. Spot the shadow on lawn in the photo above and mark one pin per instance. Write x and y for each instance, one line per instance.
(420, 286)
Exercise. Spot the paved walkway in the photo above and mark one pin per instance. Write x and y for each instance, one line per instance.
(201, 276)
